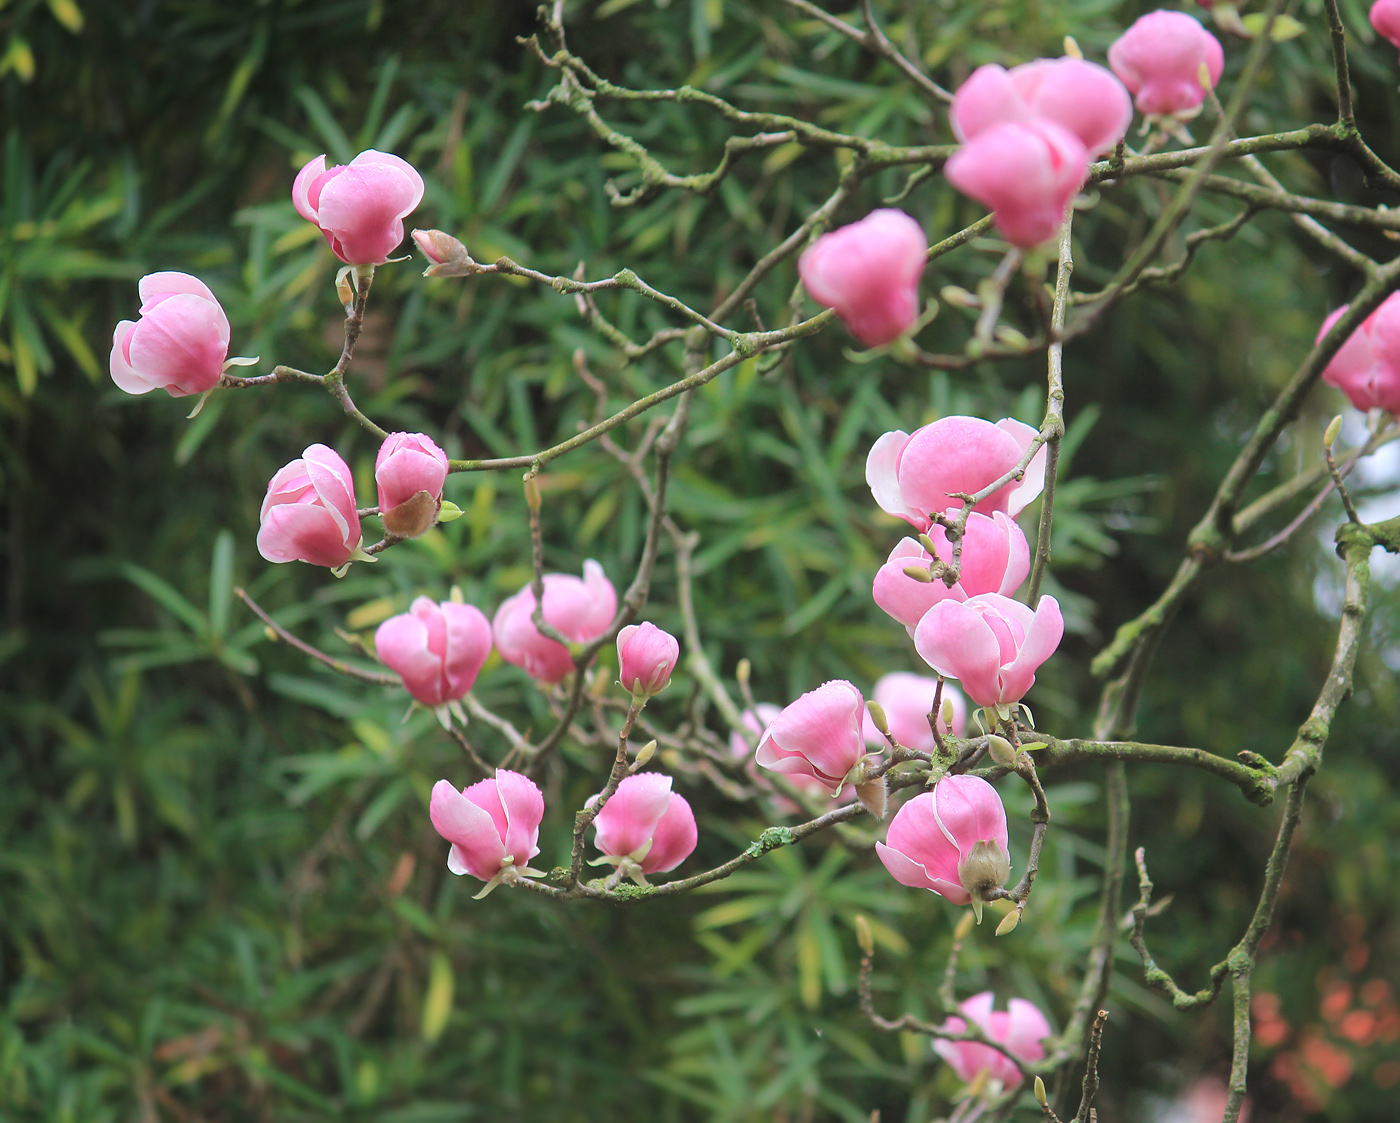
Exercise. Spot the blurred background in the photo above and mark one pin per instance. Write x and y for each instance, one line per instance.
(220, 896)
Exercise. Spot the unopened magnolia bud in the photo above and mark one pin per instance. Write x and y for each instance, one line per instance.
(985, 867)
(743, 671)
(1203, 77)
(1009, 922)
(1072, 47)
(877, 715)
(1002, 751)
(864, 937)
(1334, 430)
(1040, 1096)
(532, 494)
(918, 573)
(448, 256)
(927, 543)
(949, 712)
(644, 754)
(958, 297)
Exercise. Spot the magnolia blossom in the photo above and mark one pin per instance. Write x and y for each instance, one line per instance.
(581, 610)
(409, 473)
(1020, 1028)
(309, 513)
(645, 825)
(494, 826)
(1081, 96)
(869, 272)
(646, 656)
(995, 558)
(1385, 18)
(437, 649)
(819, 735)
(991, 644)
(1159, 59)
(359, 206)
(1367, 366)
(952, 840)
(907, 700)
(911, 476)
(1025, 173)
(178, 345)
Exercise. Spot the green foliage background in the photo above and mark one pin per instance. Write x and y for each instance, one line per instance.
(220, 897)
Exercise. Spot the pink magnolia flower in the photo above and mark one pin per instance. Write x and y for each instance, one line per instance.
(409, 473)
(907, 699)
(1021, 1028)
(819, 735)
(581, 610)
(437, 649)
(951, 840)
(359, 206)
(1385, 18)
(757, 721)
(869, 272)
(1081, 96)
(995, 559)
(309, 511)
(911, 476)
(494, 826)
(1159, 59)
(646, 656)
(178, 345)
(1367, 366)
(991, 644)
(647, 824)
(1025, 173)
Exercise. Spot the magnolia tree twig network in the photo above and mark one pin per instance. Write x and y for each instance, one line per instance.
(1036, 145)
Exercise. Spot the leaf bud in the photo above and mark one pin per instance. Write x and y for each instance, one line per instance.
(1009, 922)
(864, 937)
(1002, 751)
(1040, 1096)
(918, 573)
(877, 715)
(532, 493)
(1334, 430)
(644, 754)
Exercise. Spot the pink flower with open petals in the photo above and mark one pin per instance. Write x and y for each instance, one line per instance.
(995, 559)
(952, 840)
(581, 610)
(1367, 366)
(493, 826)
(819, 735)
(1025, 173)
(1159, 59)
(991, 644)
(437, 649)
(907, 699)
(1081, 96)
(309, 512)
(646, 823)
(869, 272)
(359, 206)
(409, 472)
(912, 476)
(178, 345)
(1021, 1029)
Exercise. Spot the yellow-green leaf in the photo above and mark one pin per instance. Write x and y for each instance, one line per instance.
(67, 13)
(437, 1004)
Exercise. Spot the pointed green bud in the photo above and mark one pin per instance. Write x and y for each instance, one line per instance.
(1002, 751)
(1040, 1096)
(864, 937)
(532, 494)
(1072, 48)
(949, 710)
(1009, 922)
(644, 754)
(877, 715)
(964, 927)
(918, 573)
(1334, 430)
(743, 671)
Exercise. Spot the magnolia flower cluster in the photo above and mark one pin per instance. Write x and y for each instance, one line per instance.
(493, 827)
